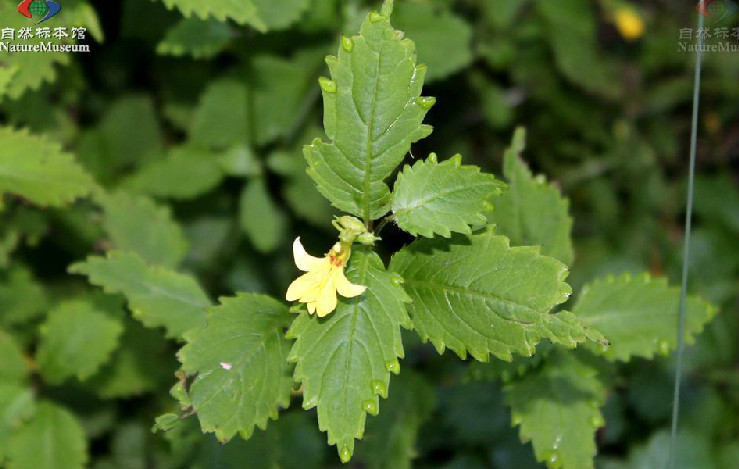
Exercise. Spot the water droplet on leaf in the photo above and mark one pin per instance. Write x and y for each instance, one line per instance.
(597, 421)
(375, 17)
(393, 367)
(433, 158)
(664, 347)
(397, 280)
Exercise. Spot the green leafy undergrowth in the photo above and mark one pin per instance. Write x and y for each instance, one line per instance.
(427, 250)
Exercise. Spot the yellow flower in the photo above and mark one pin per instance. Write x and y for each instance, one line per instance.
(629, 23)
(322, 279)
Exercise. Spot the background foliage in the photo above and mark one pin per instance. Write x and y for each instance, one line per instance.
(189, 118)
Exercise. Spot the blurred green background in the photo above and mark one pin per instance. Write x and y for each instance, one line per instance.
(209, 117)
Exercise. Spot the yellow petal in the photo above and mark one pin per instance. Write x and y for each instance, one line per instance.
(346, 288)
(326, 301)
(300, 287)
(303, 260)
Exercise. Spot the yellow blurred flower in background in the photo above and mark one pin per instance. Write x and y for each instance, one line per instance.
(629, 23)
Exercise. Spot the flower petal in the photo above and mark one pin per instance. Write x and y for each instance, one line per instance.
(301, 286)
(326, 301)
(346, 288)
(303, 260)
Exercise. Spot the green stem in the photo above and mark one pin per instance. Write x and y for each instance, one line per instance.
(686, 248)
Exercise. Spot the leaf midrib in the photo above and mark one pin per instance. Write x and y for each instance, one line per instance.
(367, 184)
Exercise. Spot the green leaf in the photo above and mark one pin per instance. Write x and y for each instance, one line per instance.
(481, 295)
(571, 29)
(76, 340)
(390, 440)
(261, 218)
(242, 345)
(558, 408)
(372, 114)
(64, 443)
(263, 15)
(278, 88)
(304, 199)
(443, 39)
(136, 223)
(16, 406)
(532, 212)
(38, 170)
(692, 449)
(438, 198)
(221, 119)
(201, 39)
(279, 14)
(137, 367)
(639, 315)
(187, 172)
(240, 160)
(25, 71)
(23, 299)
(13, 365)
(156, 296)
(344, 360)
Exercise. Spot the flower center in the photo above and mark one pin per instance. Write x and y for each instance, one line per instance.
(335, 261)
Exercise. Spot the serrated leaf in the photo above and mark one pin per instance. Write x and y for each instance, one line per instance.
(261, 218)
(532, 212)
(390, 440)
(639, 315)
(13, 367)
(201, 39)
(187, 172)
(482, 296)
(372, 115)
(263, 15)
(242, 344)
(27, 70)
(443, 39)
(16, 406)
(38, 170)
(22, 297)
(64, 443)
(432, 198)
(344, 360)
(138, 224)
(495, 370)
(158, 297)
(76, 340)
(558, 408)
